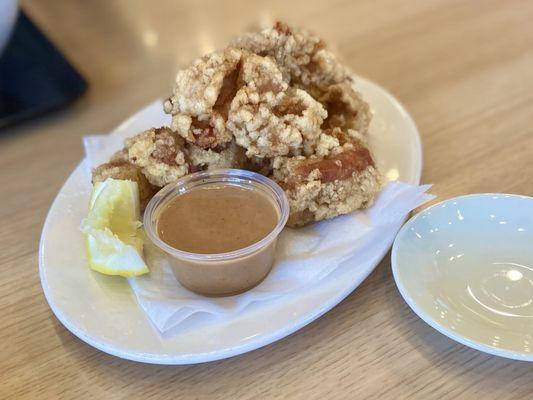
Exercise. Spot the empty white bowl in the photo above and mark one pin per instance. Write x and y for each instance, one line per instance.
(465, 266)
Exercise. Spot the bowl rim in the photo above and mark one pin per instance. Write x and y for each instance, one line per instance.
(428, 319)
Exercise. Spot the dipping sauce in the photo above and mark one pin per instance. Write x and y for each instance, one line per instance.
(219, 229)
(216, 219)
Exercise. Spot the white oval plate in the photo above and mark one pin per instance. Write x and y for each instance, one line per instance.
(465, 266)
(102, 311)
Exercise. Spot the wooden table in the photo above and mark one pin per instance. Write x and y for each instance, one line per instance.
(464, 69)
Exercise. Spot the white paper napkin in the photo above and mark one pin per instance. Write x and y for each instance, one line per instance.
(304, 256)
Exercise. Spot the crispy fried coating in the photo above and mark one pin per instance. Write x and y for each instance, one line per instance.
(201, 98)
(159, 154)
(268, 118)
(306, 64)
(118, 168)
(233, 156)
(323, 187)
(346, 108)
(302, 57)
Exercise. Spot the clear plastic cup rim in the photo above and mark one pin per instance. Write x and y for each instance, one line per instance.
(223, 176)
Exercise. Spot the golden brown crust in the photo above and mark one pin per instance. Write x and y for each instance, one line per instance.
(233, 156)
(159, 154)
(303, 58)
(346, 108)
(324, 187)
(201, 98)
(268, 118)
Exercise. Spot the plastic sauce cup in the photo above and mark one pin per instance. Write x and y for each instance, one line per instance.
(220, 274)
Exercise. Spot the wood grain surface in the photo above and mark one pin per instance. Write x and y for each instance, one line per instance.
(464, 69)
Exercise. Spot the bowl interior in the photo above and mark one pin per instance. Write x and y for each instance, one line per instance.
(466, 266)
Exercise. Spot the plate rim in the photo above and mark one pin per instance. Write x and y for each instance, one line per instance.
(462, 339)
(279, 334)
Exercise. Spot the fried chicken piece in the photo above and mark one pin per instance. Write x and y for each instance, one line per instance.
(159, 155)
(324, 187)
(202, 96)
(118, 168)
(306, 64)
(269, 119)
(302, 57)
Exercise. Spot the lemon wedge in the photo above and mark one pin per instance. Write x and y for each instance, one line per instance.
(112, 229)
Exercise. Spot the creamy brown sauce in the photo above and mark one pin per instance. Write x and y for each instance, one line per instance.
(216, 219)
